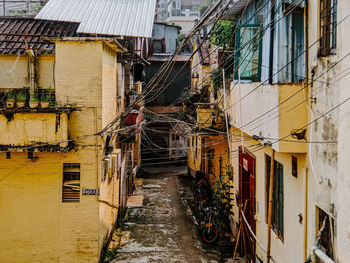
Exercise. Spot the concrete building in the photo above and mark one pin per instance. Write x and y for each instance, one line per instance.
(287, 99)
(66, 169)
(183, 13)
(163, 135)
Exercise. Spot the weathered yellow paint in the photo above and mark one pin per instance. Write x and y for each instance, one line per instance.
(31, 128)
(14, 73)
(293, 199)
(35, 225)
(208, 154)
(293, 116)
(206, 116)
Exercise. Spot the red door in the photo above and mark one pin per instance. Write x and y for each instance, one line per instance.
(247, 182)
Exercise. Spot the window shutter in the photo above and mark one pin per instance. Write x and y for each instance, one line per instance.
(71, 183)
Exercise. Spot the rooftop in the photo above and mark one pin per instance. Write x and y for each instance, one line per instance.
(18, 34)
(132, 18)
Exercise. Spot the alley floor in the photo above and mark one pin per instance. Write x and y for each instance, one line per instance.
(161, 230)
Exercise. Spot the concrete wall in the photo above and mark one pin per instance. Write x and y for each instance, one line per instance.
(37, 226)
(14, 73)
(167, 32)
(343, 180)
(325, 87)
(30, 128)
(291, 248)
(270, 111)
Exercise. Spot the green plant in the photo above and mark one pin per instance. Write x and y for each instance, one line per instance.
(222, 34)
(35, 8)
(205, 6)
(10, 96)
(45, 97)
(34, 98)
(21, 96)
(221, 200)
(13, 12)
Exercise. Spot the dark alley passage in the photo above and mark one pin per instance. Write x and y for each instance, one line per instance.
(162, 229)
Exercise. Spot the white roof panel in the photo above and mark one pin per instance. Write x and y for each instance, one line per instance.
(106, 17)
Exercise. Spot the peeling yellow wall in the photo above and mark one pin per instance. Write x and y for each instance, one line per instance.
(293, 116)
(14, 71)
(37, 226)
(197, 154)
(30, 128)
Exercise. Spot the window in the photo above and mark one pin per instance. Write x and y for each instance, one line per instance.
(277, 195)
(248, 50)
(294, 166)
(71, 183)
(324, 232)
(287, 50)
(159, 45)
(328, 27)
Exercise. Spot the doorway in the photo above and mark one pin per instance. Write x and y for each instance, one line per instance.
(247, 187)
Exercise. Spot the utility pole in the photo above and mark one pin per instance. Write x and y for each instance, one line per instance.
(272, 168)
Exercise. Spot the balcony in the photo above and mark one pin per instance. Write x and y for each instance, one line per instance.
(32, 124)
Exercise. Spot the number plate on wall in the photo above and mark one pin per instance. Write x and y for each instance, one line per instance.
(89, 191)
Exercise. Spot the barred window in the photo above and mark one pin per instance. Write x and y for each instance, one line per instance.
(328, 24)
(277, 219)
(71, 183)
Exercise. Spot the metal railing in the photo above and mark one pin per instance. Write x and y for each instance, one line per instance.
(21, 7)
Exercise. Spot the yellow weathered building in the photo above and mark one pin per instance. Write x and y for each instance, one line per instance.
(60, 178)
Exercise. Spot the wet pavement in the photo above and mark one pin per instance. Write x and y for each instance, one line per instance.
(162, 229)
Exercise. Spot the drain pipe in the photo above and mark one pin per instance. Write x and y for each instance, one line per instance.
(316, 251)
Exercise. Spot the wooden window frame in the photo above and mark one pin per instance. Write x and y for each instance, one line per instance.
(328, 27)
(277, 220)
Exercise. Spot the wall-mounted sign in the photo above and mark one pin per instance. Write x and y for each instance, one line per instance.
(89, 191)
(245, 164)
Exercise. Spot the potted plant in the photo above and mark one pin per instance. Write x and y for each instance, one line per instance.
(21, 99)
(10, 101)
(33, 101)
(45, 101)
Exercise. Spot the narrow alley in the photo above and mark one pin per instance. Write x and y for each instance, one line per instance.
(162, 229)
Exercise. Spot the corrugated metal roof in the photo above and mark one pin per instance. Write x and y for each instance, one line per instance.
(107, 17)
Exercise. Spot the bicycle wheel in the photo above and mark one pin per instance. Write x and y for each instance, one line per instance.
(210, 233)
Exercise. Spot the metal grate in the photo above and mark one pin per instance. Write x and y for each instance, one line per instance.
(71, 183)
